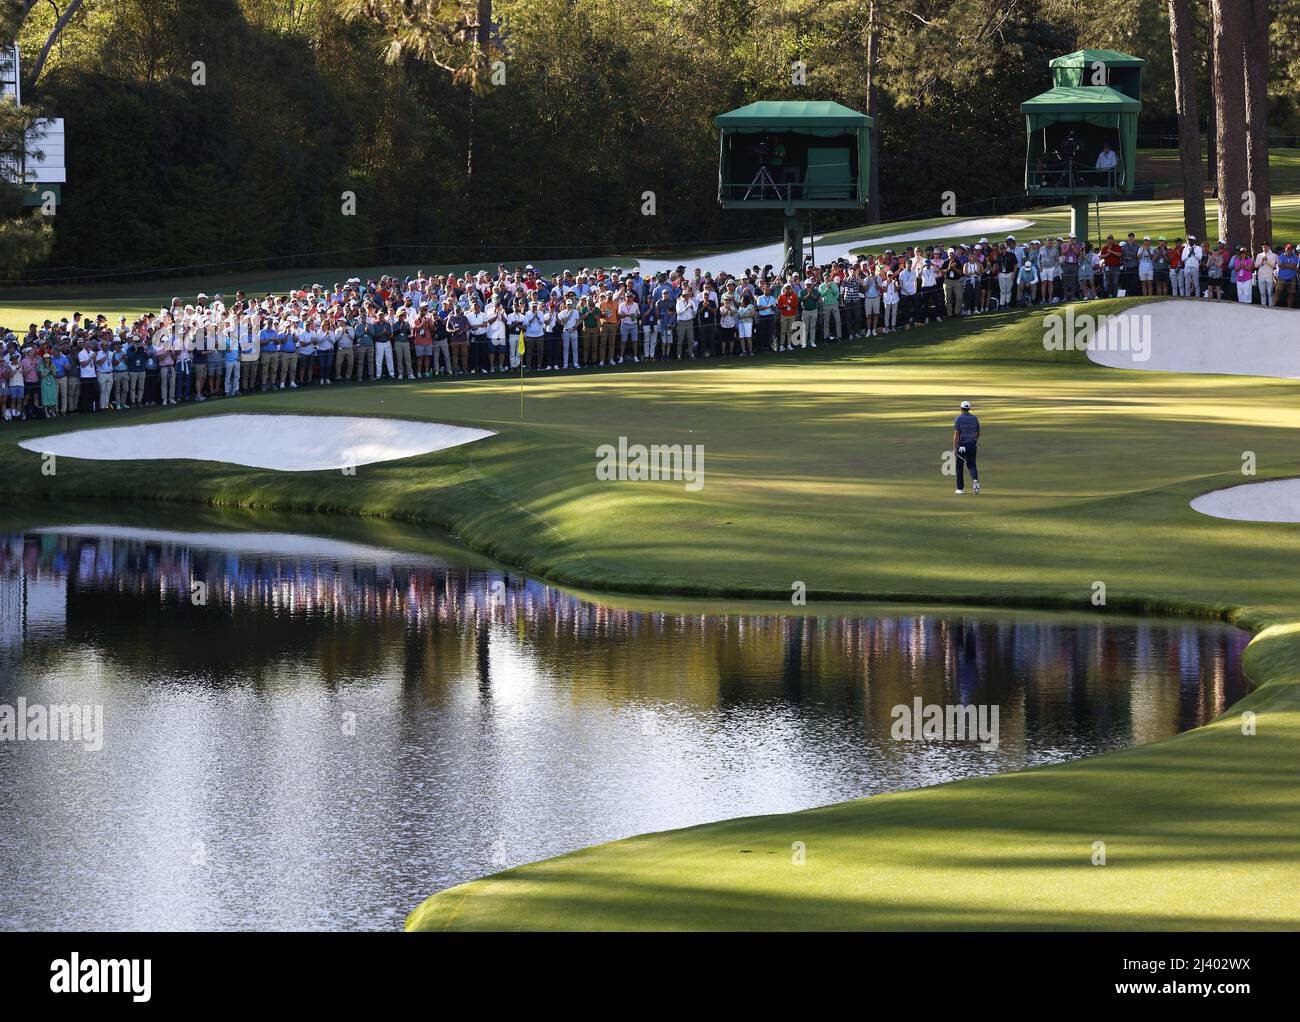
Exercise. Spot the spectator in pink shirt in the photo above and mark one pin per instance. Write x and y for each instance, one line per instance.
(1243, 272)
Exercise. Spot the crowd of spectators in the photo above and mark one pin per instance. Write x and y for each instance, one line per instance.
(468, 325)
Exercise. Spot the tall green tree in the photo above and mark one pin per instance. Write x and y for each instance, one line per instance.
(1255, 68)
(1189, 117)
(1230, 118)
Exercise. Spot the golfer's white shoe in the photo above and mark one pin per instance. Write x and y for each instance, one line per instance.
(977, 486)
(960, 492)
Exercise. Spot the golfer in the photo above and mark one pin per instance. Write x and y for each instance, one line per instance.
(965, 438)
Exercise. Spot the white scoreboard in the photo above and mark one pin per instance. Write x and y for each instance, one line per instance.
(43, 171)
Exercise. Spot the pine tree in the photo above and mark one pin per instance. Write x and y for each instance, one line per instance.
(1189, 118)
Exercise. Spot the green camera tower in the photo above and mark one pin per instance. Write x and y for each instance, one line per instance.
(793, 156)
(1082, 132)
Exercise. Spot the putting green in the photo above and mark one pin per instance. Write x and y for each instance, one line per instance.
(825, 468)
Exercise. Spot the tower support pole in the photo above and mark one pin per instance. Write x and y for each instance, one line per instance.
(793, 242)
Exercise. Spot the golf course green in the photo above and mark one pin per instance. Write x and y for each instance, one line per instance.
(825, 468)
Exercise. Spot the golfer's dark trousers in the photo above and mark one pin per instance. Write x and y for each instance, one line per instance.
(1129, 280)
(965, 461)
(1070, 281)
(708, 336)
(851, 314)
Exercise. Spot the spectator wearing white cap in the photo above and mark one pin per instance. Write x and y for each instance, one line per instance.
(569, 323)
(889, 295)
(344, 351)
(1049, 269)
(686, 309)
(1146, 266)
(1160, 260)
(1007, 264)
(1026, 281)
(1193, 256)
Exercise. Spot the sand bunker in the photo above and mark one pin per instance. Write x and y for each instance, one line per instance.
(286, 443)
(1186, 336)
(1220, 338)
(1276, 500)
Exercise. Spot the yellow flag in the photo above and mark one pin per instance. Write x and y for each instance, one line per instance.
(520, 348)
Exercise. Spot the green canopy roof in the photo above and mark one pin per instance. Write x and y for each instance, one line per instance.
(1080, 98)
(791, 116)
(1088, 58)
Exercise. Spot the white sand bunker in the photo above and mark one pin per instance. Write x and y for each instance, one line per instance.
(286, 443)
(1190, 336)
(1277, 500)
(1221, 338)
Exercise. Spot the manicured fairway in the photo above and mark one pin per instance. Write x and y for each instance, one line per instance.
(824, 468)
(821, 467)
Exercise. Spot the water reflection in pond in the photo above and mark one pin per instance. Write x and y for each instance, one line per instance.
(309, 733)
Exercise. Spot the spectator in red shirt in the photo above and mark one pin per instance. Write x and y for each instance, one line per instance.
(787, 304)
(1112, 255)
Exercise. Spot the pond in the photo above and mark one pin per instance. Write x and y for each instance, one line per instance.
(308, 729)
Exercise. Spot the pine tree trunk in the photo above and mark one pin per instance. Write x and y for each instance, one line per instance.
(483, 36)
(1230, 118)
(1211, 121)
(873, 105)
(1255, 62)
(1189, 117)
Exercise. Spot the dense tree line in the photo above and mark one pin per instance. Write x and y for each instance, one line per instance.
(249, 155)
